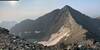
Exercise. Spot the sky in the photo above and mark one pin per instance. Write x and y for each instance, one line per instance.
(32, 9)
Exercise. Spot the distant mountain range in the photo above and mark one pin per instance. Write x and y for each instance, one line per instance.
(61, 25)
(8, 24)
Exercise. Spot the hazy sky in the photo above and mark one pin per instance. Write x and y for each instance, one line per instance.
(23, 9)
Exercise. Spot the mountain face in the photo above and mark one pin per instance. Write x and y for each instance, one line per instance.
(61, 25)
(23, 27)
(8, 24)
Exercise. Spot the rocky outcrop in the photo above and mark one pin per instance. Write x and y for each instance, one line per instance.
(11, 42)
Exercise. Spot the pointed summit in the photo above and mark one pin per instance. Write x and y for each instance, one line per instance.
(66, 7)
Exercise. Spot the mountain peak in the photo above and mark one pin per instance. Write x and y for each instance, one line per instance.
(66, 7)
(56, 25)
